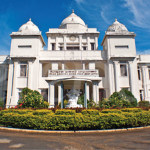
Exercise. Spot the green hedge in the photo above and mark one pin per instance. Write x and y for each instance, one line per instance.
(69, 120)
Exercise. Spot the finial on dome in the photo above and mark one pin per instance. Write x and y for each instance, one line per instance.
(115, 19)
(72, 10)
(30, 19)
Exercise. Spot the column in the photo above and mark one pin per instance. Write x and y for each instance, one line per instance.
(145, 81)
(9, 85)
(14, 98)
(62, 91)
(133, 78)
(111, 82)
(63, 66)
(59, 94)
(49, 44)
(83, 66)
(88, 43)
(51, 95)
(80, 42)
(65, 42)
(117, 73)
(85, 94)
(30, 74)
(94, 92)
(96, 43)
(57, 44)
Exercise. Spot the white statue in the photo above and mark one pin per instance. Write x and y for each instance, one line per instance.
(73, 95)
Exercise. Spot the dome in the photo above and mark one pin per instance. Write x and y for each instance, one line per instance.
(117, 27)
(72, 19)
(29, 27)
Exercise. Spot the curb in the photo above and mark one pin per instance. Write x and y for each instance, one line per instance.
(72, 132)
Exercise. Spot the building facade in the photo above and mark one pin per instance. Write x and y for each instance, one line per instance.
(72, 60)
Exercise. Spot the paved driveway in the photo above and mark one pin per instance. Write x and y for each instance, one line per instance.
(137, 139)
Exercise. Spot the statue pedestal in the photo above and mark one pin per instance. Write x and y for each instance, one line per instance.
(73, 98)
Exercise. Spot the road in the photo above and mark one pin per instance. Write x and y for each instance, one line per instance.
(136, 139)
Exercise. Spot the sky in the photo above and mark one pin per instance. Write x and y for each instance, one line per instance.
(134, 14)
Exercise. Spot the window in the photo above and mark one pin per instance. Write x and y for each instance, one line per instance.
(53, 46)
(24, 46)
(121, 46)
(92, 46)
(72, 47)
(139, 73)
(123, 69)
(84, 48)
(141, 95)
(61, 48)
(44, 93)
(23, 70)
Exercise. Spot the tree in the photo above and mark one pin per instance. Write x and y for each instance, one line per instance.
(32, 99)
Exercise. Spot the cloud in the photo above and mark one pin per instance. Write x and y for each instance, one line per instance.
(143, 52)
(140, 10)
(79, 1)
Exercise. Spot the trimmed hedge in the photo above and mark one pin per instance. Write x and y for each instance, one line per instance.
(69, 120)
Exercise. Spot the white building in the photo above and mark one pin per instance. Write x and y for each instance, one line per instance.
(73, 60)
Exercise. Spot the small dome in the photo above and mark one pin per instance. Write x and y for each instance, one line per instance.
(117, 27)
(29, 27)
(72, 19)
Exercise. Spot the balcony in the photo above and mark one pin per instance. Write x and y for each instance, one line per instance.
(73, 73)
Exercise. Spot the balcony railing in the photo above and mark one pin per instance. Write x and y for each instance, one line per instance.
(75, 73)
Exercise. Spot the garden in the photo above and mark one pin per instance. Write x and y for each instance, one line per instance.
(120, 110)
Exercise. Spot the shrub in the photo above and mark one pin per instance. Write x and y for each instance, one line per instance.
(90, 112)
(131, 110)
(128, 96)
(31, 99)
(65, 103)
(111, 111)
(2, 104)
(42, 112)
(74, 121)
(144, 104)
(104, 103)
(65, 112)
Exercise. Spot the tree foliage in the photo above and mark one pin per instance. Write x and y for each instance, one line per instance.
(31, 99)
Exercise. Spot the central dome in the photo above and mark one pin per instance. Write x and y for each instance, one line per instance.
(72, 19)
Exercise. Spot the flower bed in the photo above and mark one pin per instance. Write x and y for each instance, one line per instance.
(70, 120)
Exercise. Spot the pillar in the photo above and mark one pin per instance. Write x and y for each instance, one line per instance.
(62, 91)
(30, 74)
(14, 98)
(94, 92)
(145, 81)
(65, 48)
(51, 94)
(59, 94)
(133, 79)
(83, 66)
(117, 73)
(80, 42)
(88, 43)
(57, 44)
(85, 94)
(111, 82)
(96, 43)
(9, 85)
(63, 66)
